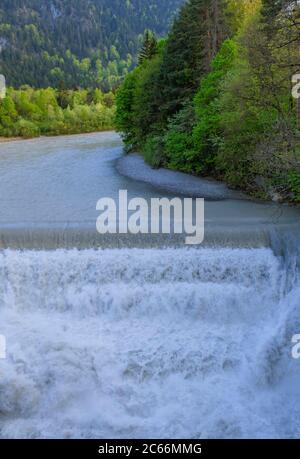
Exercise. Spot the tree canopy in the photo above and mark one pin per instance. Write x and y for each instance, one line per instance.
(84, 43)
(217, 98)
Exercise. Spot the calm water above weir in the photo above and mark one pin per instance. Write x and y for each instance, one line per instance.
(129, 341)
(49, 188)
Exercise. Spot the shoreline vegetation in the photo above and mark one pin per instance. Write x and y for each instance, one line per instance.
(18, 139)
(28, 113)
(84, 43)
(215, 98)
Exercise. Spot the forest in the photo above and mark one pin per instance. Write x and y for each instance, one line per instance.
(64, 59)
(28, 112)
(212, 98)
(215, 98)
(82, 43)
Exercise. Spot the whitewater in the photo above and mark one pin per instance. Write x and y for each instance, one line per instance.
(140, 340)
(138, 343)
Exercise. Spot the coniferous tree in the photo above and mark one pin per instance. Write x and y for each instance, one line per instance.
(194, 40)
(149, 48)
(44, 42)
(241, 124)
(169, 82)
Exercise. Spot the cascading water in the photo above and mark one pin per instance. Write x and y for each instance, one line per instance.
(145, 338)
(148, 343)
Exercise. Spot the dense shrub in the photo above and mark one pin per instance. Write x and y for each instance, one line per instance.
(154, 151)
(294, 184)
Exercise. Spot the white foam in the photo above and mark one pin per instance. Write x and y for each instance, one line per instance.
(146, 343)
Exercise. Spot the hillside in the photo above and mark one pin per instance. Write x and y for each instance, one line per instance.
(77, 42)
(216, 98)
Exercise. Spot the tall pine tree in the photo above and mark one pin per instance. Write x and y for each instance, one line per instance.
(149, 48)
(195, 39)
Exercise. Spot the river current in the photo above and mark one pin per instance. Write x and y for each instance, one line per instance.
(140, 337)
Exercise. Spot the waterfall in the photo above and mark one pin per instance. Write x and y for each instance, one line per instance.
(138, 336)
(174, 342)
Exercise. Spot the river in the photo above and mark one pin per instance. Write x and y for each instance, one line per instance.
(141, 337)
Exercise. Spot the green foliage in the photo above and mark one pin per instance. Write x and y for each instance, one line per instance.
(216, 100)
(238, 12)
(193, 41)
(207, 129)
(26, 129)
(163, 84)
(30, 113)
(124, 103)
(294, 184)
(180, 152)
(147, 101)
(149, 48)
(8, 116)
(179, 144)
(84, 43)
(257, 116)
(138, 102)
(243, 125)
(154, 151)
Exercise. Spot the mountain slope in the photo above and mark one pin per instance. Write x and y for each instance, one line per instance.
(79, 42)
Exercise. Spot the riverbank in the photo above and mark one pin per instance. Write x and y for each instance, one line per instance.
(145, 308)
(10, 139)
(133, 166)
(14, 139)
(49, 188)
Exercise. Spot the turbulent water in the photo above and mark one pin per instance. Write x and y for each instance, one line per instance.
(148, 343)
(167, 342)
